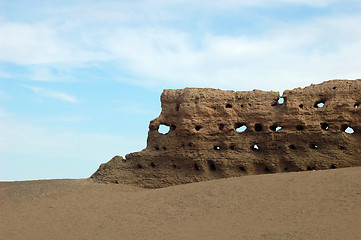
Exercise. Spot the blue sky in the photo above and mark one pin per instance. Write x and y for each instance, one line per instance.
(80, 80)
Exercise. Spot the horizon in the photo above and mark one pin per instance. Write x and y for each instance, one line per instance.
(80, 81)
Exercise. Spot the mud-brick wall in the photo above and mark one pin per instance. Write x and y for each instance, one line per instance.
(213, 134)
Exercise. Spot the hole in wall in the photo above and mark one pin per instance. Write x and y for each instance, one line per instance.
(267, 170)
(242, 105)
(217, 148)
(347, 129)
(293, 147)
(258, 127)
(152, 165)
(190, 144)
(177, 107)
(300, 106)
(313, 146)
(242, 169)
(299, 127)
(164, 148)
(196, 167)
(356, 105)
(341, 147)
(240, 127)
(221, 126)
(212, 167)
(232, 147)
(196, 100)
(324, 126)
(309, 168)
(173, 127)
(156, 148)
(319, 104)
(198, 127)
(278, 101)
(174, 166)
(140, 166)
(275, 128)
(333, 166)
(334, 88)
(163, 129)
(228, 106)
(255, 147)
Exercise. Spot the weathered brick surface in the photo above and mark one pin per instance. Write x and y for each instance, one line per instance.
(204, 141)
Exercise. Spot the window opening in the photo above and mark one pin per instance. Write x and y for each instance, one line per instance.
(324, 126)
(240, 127)
(258, 127)
(163, 129)
(320, 104)
(255, 147)
(349, 130)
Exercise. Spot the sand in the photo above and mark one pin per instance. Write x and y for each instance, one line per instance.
(301, 205)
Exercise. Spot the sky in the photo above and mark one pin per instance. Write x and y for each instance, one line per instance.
(81, 80)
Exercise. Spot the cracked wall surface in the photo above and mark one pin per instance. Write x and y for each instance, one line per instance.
(219, 134)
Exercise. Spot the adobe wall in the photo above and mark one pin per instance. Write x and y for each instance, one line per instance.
(206, 138)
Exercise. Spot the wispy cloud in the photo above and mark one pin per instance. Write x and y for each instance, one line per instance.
(42, 43)
(50, 73)
(298, 54)
(48, 93)
(253, 3)
(161, 54)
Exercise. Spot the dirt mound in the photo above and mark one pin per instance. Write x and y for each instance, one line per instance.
(219, 134)
(302, 205)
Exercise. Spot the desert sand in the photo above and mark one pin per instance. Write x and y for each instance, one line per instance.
(298, 205)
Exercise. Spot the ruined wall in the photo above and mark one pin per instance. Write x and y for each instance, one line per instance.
(317, 127)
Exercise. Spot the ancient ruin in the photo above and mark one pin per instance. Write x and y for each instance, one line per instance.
(219, 134)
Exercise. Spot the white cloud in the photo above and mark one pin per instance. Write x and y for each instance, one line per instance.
(277, 3)
(282, 58)
(41, 43)
(22, 42)
(157, 55)
(227, 4)
(48, 93)
(45, 74)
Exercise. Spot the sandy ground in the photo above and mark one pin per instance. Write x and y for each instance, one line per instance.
(302, 205)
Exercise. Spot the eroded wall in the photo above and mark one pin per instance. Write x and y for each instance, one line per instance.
(317, 127)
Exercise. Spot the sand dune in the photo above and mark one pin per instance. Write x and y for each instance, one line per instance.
(302, 205)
